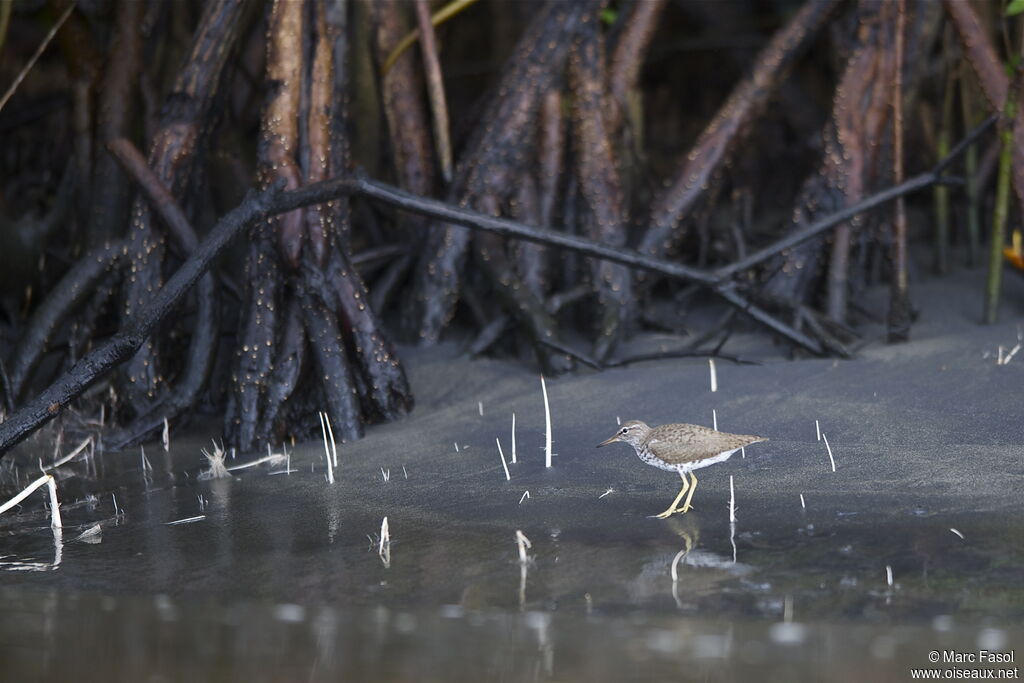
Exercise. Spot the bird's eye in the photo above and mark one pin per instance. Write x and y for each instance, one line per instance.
(624, 430)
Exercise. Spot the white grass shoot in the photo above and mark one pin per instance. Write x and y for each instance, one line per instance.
(831, 459)
(480, 407)
(547, 424)
(117, 510)
(957, 532)
(606, 493)
(187, 520)
(714, 418)
(524, 544)
(384, 548)
(817, 428)
(513, 438)
(166, 436)
(504, 465)
(1010, 354)
(618, 420)
(406, 474)
(456, 446)
(888, 575)
(714, 375)
(334, 444)
(45, 480)
(526, 494)
(146, 467)
(73, 454)
(743, 452)
(732, 501)
(385, 535)
(803, 505)
(385, 474)
(327, 452)
(217, 469)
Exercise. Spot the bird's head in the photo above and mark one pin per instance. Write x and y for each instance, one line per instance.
(632, 432)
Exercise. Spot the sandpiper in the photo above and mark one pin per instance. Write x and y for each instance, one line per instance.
(680, 448)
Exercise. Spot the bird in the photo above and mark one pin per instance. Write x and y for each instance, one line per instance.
(680, 448)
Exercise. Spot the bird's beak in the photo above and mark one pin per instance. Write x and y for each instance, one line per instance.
(612, 439)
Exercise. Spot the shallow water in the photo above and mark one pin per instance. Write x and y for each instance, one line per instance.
(272, 576)
(281, 578)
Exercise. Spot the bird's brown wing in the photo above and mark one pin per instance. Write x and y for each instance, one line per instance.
(681, 444)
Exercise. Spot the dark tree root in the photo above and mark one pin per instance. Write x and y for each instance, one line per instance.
(643, 357)
(255, 345)
(184, 121)
(136, 329)
(387, 392)
(333, 370)
(601, 185)
(291, 354)
(76, 285)
(5, 388)
(202, 344)
(495, 153)
(518, 300)
(198, 363)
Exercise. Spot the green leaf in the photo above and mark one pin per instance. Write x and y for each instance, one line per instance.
(1015, 7)
(609, 15)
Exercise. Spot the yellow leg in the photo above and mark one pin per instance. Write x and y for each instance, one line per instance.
(672, 508)
(693, 487)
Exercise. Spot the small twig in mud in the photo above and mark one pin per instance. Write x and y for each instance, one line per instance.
(146, 467)
(327, 452)
(404, 473)
(117, 511)
(803, 505)
(504, 465)
(187, 520)
(830, 458)
(714, 419)
(714, 375)
(513, 438)
(526, 494)
(72, 455)
(35, 56)
(166, 436)
(217, 469)
(272, 458)
(743, 452)
(480, 407)
(957, 532)
(456, 446)
(888, 575)
(524, 544)
(608, 492)
(45, 480)
(90, 535)
(817, 428)
(547, 424)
